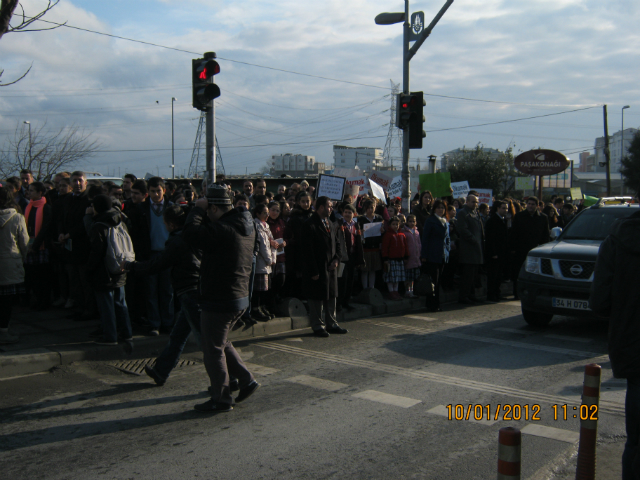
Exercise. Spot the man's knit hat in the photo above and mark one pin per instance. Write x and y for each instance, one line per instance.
(218, 195)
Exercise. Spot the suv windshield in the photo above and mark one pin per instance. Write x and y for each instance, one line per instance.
(595, 223)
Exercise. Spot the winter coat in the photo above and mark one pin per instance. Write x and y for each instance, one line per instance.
(279, 230)
(297, 220)
(394, 246)
(227, 257)
(44, 235)
(433, 236)
(422, 214)
(98, 275)
(496, 239)
(613, 295)
(471, 235)
(266, 253)
(527, 232)
(140, 216)
(177, 255)
(352, 251)
(414, 247)
(72, 223)
(13, 246)
(321, 248)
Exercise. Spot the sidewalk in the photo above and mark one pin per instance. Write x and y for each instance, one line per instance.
(48, 339)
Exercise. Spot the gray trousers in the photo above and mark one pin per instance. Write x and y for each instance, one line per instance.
(316, 310)
(220, 358)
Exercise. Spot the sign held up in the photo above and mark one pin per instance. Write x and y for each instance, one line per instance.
(330, 186)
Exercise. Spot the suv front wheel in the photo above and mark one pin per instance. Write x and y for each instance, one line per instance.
(536, 319)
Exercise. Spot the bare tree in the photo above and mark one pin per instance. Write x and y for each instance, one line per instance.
(7, 10)
(44, 152)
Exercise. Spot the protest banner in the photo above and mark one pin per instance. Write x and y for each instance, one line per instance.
(377, 190)
(395, 187)
(330, 186)
(524, 183)
(347, 172)
(381, 179)
(485, 195)
(353, 190)
(362, 182)
(437, 183)
(460, 189)
(576, 193)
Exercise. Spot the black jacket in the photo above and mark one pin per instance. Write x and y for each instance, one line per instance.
(297, 220)
(496, 240)
(614, 295)
(528, 231)
(183, 260)
(320, 249)
(73, 210)
(140, 217)
(44, 235)
(97, 273)
(227, 256)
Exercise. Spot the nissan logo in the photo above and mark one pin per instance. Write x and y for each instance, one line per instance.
(576, 270)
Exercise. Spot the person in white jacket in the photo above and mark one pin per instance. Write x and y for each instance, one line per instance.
(265, 260)
(14, 240)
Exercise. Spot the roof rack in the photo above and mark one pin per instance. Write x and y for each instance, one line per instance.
(609, 200)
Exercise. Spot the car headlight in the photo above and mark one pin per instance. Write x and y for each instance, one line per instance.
(532, 265)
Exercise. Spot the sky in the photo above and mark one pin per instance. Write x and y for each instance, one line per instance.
(485, 62)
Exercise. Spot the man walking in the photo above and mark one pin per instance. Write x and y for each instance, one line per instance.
(529, 229)
(614, 295)
(469, 226)
(226, 236)
(320, 276)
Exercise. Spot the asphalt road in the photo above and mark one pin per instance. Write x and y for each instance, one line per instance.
(370, 404)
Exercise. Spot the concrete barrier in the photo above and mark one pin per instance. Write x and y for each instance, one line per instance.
(509, 442)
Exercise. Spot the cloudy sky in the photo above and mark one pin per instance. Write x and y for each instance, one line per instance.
(486, 61)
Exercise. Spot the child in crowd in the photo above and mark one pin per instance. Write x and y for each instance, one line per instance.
(264, 262)
(278, 229)
(371, 246)
(394, 252)
(412, 263)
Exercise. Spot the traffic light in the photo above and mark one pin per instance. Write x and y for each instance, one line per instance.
(416, 120)
(204, 90)
(403, 111)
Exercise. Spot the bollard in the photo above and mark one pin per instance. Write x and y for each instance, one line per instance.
(586, 466)
(509, 454)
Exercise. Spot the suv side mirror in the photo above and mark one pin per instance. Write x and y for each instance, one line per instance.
(555, 232)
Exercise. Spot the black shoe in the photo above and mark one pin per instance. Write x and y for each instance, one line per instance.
(248, 323)
(234, 385)
(266, 312)
(210, 407)
(337, 329)
(321, 332)
(150, 371)
(127, 345)
(258, 315)
(247, 391)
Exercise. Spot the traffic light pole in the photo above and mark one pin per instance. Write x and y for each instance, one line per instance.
(406, 185)
(210, 134)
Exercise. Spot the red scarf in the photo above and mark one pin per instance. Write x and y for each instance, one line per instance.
(38, 204)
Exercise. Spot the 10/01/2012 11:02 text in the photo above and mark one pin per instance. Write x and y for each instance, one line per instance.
(519, 412)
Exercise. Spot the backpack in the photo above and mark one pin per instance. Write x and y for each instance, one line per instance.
(119, 248)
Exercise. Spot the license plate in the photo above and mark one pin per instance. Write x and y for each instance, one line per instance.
(570, 303)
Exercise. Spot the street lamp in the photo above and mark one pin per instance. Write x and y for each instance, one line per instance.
(173, 162)
(27, 122)
(622, 144)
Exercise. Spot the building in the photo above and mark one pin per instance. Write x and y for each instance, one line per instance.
(615, 148)
(448, 157)
(365, 158)
(294, 165)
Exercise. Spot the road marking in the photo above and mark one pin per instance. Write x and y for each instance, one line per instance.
(245, 355)
(512, 303)
(418, 317)
(614, 408)
(495, 341)
(551, 432)
(567, 337)
(455, 322)
(387, 398)
(293, 339)
(442, 411)
(260, 370)
(320, 383)
(514, 330)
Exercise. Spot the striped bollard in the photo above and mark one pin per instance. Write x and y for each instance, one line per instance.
(586, 467)
(509, 454)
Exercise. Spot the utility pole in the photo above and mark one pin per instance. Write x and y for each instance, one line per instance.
(607, 152)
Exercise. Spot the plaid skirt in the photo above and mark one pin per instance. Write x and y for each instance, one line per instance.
(261, 282)
(396, 272)
(14, 289)
(38, 257)
(412, 274)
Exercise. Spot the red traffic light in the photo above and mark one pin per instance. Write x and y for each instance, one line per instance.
(210, 69)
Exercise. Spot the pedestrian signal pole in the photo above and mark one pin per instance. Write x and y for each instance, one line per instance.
(205, 91)
(412, 31)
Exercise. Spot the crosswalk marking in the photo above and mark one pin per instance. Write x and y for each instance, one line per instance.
(442, 411)
(387, 398)
(320, 383)
(551, 432)
(513, 330)
(455, 322)
(418, 317)
(260, 370)
(567, 337)
(297, 339)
